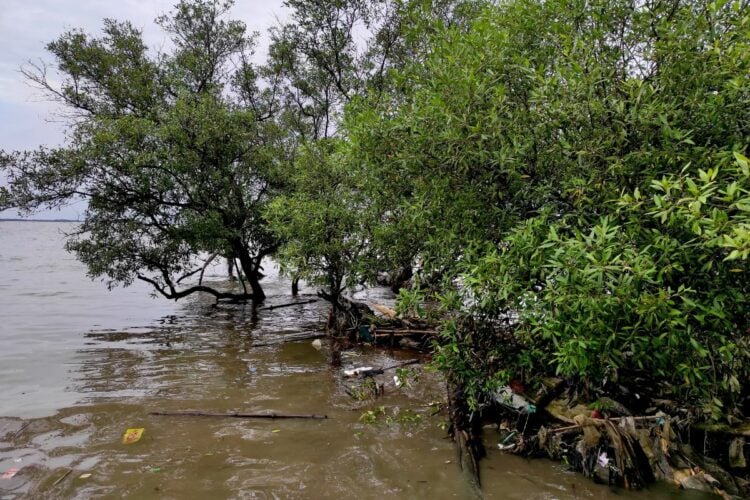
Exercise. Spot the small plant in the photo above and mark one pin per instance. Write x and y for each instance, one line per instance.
(406, 376)
(409, 303)
(371, 417)
(368, 389)
(379, 414)
(408, 417)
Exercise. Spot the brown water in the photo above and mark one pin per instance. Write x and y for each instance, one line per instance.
(79, 365)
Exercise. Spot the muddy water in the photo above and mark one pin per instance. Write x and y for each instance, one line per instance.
(79, 365)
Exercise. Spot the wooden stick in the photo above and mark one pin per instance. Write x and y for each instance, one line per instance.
(19, 431)
(401, 365)
(293, 337)
(59, 480)
(404, 331)
(198, 413)
(271, 308)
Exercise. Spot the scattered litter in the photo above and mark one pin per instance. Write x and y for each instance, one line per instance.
(398, 381)
(385, 311)
(276, 430)
(365, 334)
(447, 461)
(356, 371)
(510, 436)
(8, 474)
(155, 469)
(85, 476)
(317, 344)
(506, 397)
(409, 343)
(603, 460)
(18, 460)
(132, 435)
(506, 444)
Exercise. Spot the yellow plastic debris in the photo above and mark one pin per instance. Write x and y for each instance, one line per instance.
(132, 435)
(276, 430)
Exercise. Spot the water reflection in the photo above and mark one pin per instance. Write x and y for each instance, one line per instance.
(147, 355)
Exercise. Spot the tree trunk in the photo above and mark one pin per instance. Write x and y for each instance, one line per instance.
(250, 269)
(295, 286)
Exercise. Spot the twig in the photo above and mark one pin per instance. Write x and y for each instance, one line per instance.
(197, 413)
(59, 480)
(19, 431)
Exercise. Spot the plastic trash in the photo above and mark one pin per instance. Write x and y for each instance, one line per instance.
(317, 344)
(132, 435)
(602, 460)
(85, 476)
(506, 397)
(356, 371)
(364, 333)
(8, 474)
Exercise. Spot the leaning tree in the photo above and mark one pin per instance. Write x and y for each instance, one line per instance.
(174, 152)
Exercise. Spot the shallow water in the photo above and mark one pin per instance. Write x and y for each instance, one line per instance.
(79, 365)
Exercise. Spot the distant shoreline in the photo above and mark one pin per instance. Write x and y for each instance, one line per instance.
(38, 220)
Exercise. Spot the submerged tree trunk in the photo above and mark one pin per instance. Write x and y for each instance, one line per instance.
(346, 314)
(250, 268)
(401, 278)
(465, 428)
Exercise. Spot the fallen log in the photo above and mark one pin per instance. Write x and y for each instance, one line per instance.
(197, 413)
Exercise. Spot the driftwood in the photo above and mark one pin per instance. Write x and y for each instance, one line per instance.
(402, 332)
(197, 413)
(293, 337)
(271, 308)
(380, 371)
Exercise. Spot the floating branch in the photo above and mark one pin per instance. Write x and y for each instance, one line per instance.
(293, 337)
(271, 308)
(197, 413)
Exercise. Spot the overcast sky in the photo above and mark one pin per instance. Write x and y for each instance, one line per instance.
(27, 120)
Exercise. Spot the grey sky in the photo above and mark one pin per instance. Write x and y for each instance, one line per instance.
(27, 120)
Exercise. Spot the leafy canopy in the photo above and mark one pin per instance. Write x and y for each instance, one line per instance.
(174, 152)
